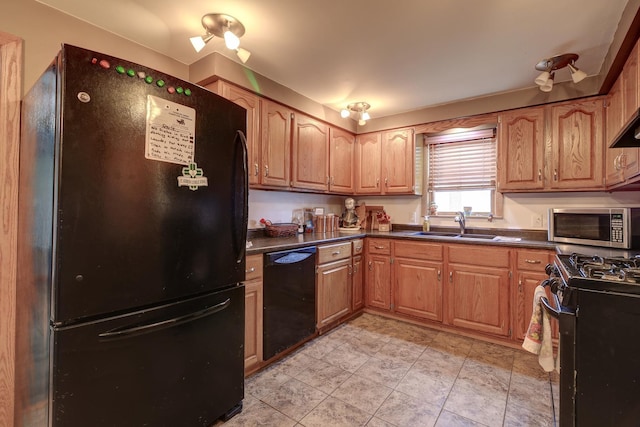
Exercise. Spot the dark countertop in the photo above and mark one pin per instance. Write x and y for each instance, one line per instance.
(262, 244)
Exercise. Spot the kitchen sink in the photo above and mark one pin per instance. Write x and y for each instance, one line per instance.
(478, 236)
(454, 235)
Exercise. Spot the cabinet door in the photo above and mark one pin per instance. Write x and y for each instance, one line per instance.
(378, 282)
(341, 160)
(521, 149)
(253, 324)
(418, 288)
(613, 118)
(629, 78)
(310, 163)
(577, 145)
(368, 163)
(251, 103)
(334, 291)
(397, 161)
(275, 122)
(357, 280)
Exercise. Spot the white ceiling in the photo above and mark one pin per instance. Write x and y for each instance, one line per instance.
(398, 56)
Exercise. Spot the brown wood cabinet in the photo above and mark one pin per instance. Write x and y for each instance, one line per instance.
(521, 150)
(622, 164)
(341, 161)
(477, 288)
(570, 138)
(530, 272)
(310, 154)
(378, 274)
(357, 278)
(577, 145)
(253, 306)
(250, 102)
(333, 283)
(385, 162)
(276, 122)
(417, 279)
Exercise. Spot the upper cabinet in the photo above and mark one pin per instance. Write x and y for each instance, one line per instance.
(310, 154)
(521, 158)
(386, 162)
(577, 145)
(250, 102)
(552, 148)
(341, 161)
(276, 120)
(622, 164)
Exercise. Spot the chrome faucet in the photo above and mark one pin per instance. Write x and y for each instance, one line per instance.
(459, 218)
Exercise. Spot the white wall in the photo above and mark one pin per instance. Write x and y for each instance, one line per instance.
(521, 211)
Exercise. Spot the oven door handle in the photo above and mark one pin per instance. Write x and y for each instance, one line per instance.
(550, 310)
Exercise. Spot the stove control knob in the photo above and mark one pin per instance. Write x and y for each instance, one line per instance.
(554, 284)
(551, 270)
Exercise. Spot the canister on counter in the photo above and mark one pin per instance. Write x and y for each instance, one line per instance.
(320, 223)
(330, 227)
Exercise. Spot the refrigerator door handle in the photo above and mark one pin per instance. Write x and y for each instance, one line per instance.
(128, 331)
(240, 197)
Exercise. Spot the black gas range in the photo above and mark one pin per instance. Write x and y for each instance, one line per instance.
(596, 301)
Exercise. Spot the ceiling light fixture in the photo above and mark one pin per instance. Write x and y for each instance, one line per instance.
(359, 111)
(223, 26)
(549, 66)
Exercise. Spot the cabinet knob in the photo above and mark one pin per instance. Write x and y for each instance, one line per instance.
(555, 174)
(266, 170)
(439, 275)
(251, 270)
(386, 182)
(539, 174)
(451, 277)
(520, 286)
(255, 166)
(370, 266)
(377, 182)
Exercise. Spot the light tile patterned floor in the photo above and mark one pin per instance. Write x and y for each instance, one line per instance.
(379, 372)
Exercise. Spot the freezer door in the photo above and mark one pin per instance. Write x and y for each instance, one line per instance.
(179, 365)
(127, 235)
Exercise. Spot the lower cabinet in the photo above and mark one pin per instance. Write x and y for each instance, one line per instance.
(530, 272)
(357, 275)
(417, 279)
(333, 283)
(253, 307)
(378, 274)
(477, 288)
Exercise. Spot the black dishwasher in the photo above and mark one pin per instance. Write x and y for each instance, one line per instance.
(289, 299)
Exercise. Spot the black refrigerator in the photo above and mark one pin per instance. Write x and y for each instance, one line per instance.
(131, 252)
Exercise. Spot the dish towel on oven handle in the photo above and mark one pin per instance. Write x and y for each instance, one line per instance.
(538, 337)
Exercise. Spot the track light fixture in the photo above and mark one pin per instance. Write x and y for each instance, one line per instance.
(359, 111)
(223, 26)
(549, 66)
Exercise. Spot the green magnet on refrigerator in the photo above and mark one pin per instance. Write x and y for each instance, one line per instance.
(120, 69)
(148, 79)
(187, 92)
(160, 83)
(179, 89)
(131, 73)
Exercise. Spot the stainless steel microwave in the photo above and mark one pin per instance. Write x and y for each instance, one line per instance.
(608, 227)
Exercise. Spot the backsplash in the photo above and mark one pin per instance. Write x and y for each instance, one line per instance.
(521, 211)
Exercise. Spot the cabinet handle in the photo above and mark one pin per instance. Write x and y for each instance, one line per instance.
(539, 174)
(370, 266)
(358, 248)
(555, 174)
(266, 170)
(451, 277)
(255, 167)
(251, 270)
(377, 182)
(379, 247)
(355, 269)
(336, 253)
(439, 275)
(532, 261)
(350, 269)
(520, 286)
(386, 182)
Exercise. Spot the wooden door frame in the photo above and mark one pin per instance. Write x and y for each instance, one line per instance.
(10, 96)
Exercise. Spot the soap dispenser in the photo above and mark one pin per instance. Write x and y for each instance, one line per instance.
(426, 226)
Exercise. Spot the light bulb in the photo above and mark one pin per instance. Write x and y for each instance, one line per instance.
(231, 40)
(548, 85)
(344, 113)
(198, 43)
(365, 116)
(362, 122)
(542, 78)
(577, 75)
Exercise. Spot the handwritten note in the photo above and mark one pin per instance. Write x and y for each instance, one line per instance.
(170, 131)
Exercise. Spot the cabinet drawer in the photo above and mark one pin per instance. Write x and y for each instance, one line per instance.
(253, 269)
(479, 255)
(428, 251)
(532, 260)
(358, 246)
(379, 246)
(331, 253)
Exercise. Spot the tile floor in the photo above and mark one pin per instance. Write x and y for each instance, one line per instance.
(378, 372)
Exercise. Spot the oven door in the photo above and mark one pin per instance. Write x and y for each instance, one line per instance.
(567, 328)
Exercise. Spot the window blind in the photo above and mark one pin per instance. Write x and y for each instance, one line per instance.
(462, 161)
